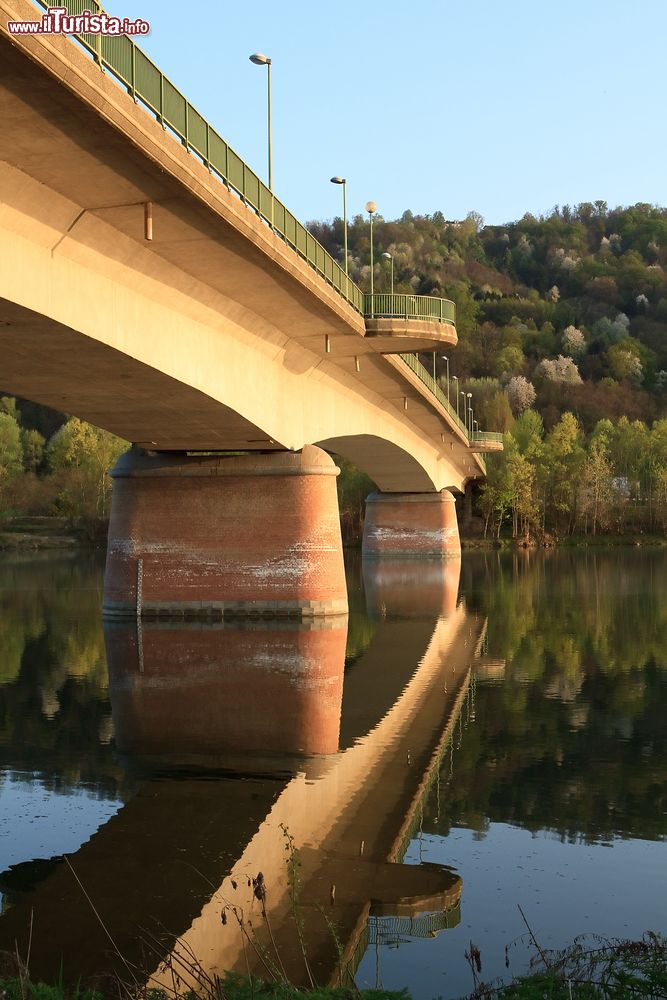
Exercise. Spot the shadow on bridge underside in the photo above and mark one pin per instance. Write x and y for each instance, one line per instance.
(239, 730)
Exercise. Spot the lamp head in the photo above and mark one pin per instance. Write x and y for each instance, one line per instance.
(259, 59)
(338, 180)
(371, 207)
(386, 256)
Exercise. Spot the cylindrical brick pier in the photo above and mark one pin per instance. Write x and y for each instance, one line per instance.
(411, 525)
(213, 537)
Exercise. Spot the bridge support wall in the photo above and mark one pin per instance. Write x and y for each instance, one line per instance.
(411, 526)
(214, 537)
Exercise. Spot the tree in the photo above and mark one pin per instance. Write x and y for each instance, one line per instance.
(563, 457)
(596, 491)
(85, 453)
(521, 393)
(574, 342)
(11, 452)
(33, 449)
(560, 369)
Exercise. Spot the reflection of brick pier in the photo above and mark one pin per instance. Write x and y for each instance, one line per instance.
(182, 698)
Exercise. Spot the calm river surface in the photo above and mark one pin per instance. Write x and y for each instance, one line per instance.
(505, 718)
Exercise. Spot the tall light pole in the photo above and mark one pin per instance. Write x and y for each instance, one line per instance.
(469, 395)
(371, 207)
(465, 412)
(261, 60)
(343, 181)
(388, 256)
(455, 378)
(447, 360)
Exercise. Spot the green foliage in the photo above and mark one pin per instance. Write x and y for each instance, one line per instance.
(86, 454)
(561, 482)
(591, 969)
(23, 989)
(589, 282)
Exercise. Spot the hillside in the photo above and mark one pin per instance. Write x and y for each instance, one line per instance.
(575, 303)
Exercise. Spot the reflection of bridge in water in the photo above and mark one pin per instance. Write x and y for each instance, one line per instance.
(253, 704)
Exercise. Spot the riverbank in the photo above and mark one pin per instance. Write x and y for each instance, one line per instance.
(609, 970)
(31, 533)
(475, 543)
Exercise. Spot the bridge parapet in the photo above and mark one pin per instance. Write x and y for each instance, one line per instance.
(400, 322)
(401, 306)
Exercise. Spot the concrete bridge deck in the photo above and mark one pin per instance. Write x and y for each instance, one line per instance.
(214, 335)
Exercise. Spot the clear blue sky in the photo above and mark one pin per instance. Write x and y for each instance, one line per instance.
(431, 105)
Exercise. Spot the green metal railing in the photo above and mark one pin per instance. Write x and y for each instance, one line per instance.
(415, 365)
(401, 306)
(146, 83)
(487, 436)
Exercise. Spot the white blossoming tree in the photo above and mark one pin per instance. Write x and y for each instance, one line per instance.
(560, 369)
(573, 342)
(521, 393)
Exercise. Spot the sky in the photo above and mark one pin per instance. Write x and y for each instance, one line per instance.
(500, 108)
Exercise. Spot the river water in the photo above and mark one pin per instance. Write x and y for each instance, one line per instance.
(476, 738)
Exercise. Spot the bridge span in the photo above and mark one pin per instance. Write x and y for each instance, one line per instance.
(151, 284)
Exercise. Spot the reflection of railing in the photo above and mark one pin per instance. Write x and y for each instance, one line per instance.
(401, 306)
(146, 83)
(390, 930)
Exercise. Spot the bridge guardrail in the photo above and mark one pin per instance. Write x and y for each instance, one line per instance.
(403, 306)
(413, 362)
(415, 365)
(148, 84)
(487, 436)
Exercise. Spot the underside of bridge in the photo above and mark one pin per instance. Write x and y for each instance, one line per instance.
(213, 336)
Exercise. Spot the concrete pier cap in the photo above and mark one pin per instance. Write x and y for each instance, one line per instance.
(216, 536)
(411, 526)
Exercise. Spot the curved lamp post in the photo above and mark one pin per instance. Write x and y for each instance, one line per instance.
(455, 378)
(259, 59)
(388, 256)
(343, 181)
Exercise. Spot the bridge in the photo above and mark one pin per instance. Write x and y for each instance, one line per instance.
(152, 284)
(346, 772)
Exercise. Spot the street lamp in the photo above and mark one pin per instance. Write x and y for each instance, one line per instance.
(343, 181)
(388, 256)
(447, 360)
(465, 411)
(261, 60)
(455, 378)
(371, 207)
(469, 395)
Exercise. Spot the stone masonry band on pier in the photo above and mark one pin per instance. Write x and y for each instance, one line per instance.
(249, 535)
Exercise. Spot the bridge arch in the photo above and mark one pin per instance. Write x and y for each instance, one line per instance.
(391, 467)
